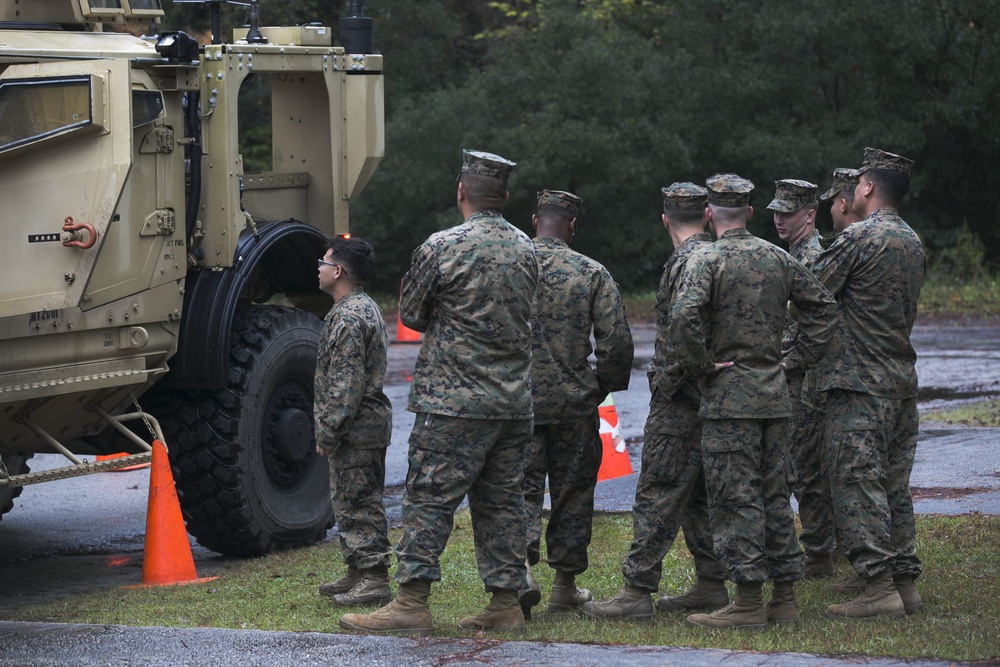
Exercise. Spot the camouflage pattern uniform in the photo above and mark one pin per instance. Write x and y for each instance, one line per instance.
(670, 492)
(811, 475)
(810, 479)
(875, 270)
(575, 295)
(731, 307)
(469, 289)
(354, 424)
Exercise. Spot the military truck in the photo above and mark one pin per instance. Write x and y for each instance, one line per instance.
(151, 286)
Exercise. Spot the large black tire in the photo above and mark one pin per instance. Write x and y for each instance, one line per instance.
(17, 464)
(244, 457)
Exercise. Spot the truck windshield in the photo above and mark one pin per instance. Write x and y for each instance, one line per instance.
(32, 110)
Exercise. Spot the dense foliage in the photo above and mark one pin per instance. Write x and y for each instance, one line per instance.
(613, 99)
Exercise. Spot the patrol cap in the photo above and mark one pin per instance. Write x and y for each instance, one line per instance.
(729, 190)
(842, 180)
(791, 195)
(684, 196)
(876, 158)
(564, 200)
(485, 164)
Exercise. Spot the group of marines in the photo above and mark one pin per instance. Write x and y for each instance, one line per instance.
(773, 373)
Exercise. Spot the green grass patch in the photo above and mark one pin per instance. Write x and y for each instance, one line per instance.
(278, 592)
(979, 413)
(940, 299)
(388, 302)
(640, 306)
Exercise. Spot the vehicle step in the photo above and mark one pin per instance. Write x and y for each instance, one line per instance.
(85, 468)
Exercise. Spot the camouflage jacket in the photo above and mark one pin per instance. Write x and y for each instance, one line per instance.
(731, 307)
(349, 406)
(806, 250)
(575, 295)
(662, 418)
(875, 269)
(469, 289)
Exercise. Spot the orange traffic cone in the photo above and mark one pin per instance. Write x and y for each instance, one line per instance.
(108, 457)
(614, 458)
(167, 559)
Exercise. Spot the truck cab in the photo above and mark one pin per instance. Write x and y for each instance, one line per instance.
(151, 286)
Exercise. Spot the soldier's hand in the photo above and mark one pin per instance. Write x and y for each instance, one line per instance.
(719, 365)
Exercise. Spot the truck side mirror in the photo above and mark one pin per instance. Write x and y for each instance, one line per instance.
(177, 47)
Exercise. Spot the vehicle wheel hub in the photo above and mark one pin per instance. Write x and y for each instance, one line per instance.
(293, 435)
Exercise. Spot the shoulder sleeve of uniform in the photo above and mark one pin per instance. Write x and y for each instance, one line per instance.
(416, 298)
(687, 348)
(834, 264)
(614, 349)
(817, 317)
(340, 385)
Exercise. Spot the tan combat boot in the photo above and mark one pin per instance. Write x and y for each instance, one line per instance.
(372, 588)
(818, 566)
(503, 613)
(850, 585)
(342, 585)
(705, 595)
(633, 604)
(781, 609)
(879, 599)
(908, 594)
(408, 614)
(530, 596)
(746, 612)
(565, 596)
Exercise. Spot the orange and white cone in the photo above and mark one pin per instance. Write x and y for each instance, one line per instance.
(614, 458)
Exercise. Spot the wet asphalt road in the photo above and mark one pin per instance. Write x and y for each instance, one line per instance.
(955, 364)
(54, 645)
(76, 534)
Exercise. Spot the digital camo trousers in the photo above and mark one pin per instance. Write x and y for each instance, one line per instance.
(810, 470)
(570, 454)
(670, 493)
(357, 482)
(748, 474)
(871, 444)
(449, 458)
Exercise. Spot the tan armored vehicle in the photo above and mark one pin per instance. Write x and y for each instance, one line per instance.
(152, 286)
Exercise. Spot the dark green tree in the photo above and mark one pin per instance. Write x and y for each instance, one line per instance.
(615, 98)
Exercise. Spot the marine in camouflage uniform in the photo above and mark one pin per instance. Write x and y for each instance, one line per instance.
(875, 269)
(469, 289)
(726, 332)
(841, 198)
(670, 492)
(353, 419)
(794, 208)
(575, 296)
